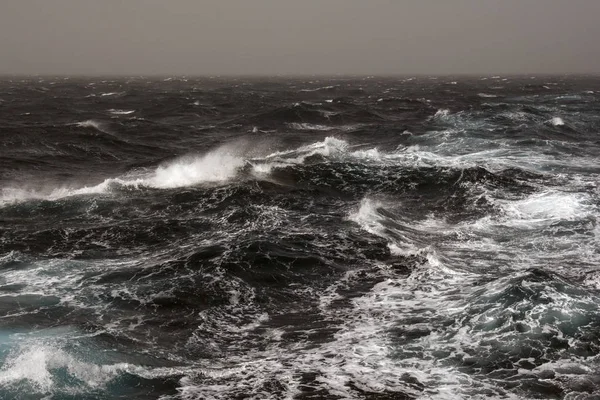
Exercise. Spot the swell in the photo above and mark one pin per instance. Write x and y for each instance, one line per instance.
(331, 163)
(332, 114)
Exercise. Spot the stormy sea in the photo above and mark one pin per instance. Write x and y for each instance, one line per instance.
(300, 238)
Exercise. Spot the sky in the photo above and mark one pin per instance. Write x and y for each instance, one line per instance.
(299, 37)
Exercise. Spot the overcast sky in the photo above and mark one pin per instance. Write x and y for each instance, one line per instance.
(299, 37)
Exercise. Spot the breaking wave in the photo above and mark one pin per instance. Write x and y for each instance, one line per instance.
(217, 166)
(90, 123)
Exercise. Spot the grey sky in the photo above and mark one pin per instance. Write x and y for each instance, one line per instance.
(299, 37)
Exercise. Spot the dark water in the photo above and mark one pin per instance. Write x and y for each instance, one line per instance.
(362, 238)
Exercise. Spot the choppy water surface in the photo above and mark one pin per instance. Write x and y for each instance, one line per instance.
(355, 238)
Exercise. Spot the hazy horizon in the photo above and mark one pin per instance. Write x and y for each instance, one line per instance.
(290, 38)
(299, 76)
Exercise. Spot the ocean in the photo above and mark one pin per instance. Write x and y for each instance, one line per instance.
(299, 238)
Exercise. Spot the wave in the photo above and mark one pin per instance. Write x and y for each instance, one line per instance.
(230, 162)
(406, 101)
(327, 88)
(330, 148)
(221, 165)
(120, 112)
(322, 128)
(40, 365)
(36, 364)
(216, 166)
(307, 113)
(547, 207)
(441, 113)
(479, 314)
(309, 127)
(15, 195)
(106, 94)
(403, 236)
(367, 216)
(298, 113)
(91, 123)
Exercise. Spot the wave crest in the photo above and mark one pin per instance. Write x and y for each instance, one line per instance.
(216, 166)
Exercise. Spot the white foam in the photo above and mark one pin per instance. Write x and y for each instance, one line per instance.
(318, 89)
(485, 95)
(534, 231)
(557, 121)
(216, 166)
(120, 112)
(369, 154)
(224, 163)
(546, 207)
(35, 364)
(401, 241)
(367, 216)
(441, 113)
(362, 351)
(516, 115)
(365, 351)
(90, 123)
(330, 147)
(219, 165)
(438, 290)
(310, 127)
(14, 195)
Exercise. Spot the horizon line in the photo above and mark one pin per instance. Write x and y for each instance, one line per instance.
(291, 75)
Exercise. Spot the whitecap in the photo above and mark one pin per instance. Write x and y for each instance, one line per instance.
(226, 163)
(318, 89)
(120, 112)
(367, 216)
(309, 127)
(37, 363)
(557, 121)
(546, 207)
(91, 123)
(218, 165)
(441, 113)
